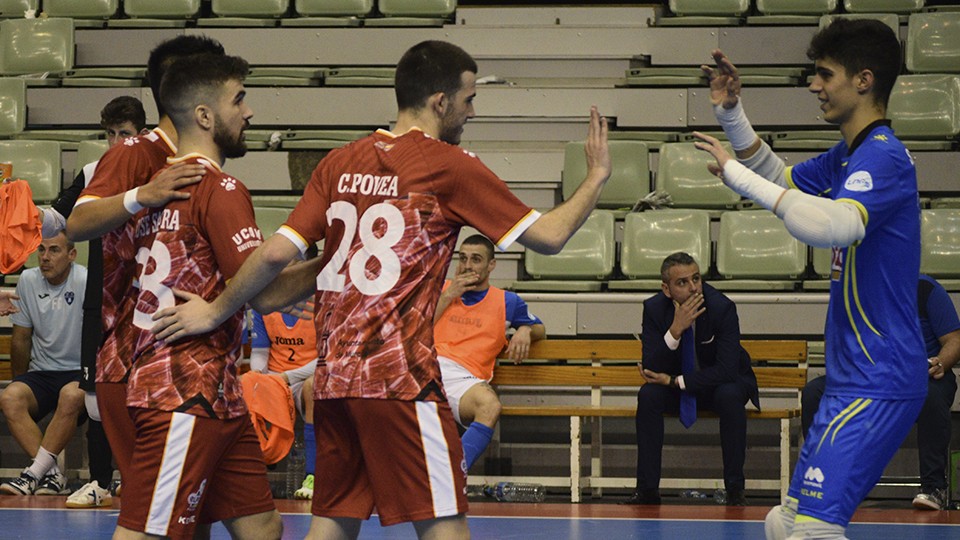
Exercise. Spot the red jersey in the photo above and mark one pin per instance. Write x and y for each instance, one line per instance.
(390, 209)
(125, 166)
(194, 245)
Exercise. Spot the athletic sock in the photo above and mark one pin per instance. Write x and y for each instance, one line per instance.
(42, 463)
(810, 527)
(475, 441)
(779, 521)
(309, 448)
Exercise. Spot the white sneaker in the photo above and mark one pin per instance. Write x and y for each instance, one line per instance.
(90, 495)
(52, 484)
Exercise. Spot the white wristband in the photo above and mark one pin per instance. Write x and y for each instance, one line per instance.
(130, 201)
(736, 126)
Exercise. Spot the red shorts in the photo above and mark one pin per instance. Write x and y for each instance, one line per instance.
(404, 457)
(117, 424)
(188, 469)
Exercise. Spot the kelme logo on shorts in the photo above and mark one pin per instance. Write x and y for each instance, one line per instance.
(814, 474)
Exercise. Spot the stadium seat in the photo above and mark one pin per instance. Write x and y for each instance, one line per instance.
(252, 13)
(933, 42)
(89, 151)
(14, 9)
(926, 106)
(889, 19)
(882, 6)
(629, 179)
(705, 12)
(940, 242)
(360, 76)
(36, 46)
(811, 140)
(329, 12)
(270, 218)
(37, 162)
(13, 105)
(413, 12)
(648, 237)
(586, 260)
(88, 13)
(755, 250)
(157, 13)
(820, 259)
(793, 12)
(683, 173)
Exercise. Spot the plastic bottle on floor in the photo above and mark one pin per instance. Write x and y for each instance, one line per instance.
(692, 494)
(516, 492)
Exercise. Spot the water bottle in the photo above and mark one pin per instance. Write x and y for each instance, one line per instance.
(720, 496)
(516, 492)
(692, 494)
(295, 467)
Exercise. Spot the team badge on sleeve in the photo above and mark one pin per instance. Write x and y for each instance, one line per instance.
(859, 181)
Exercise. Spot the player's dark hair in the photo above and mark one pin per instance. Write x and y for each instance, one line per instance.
(195, 80)
(123, 109)
(165, 53)
(859, 44)
(479, 240)
(675, 259)
(427, 68)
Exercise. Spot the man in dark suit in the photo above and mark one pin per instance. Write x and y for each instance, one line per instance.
(715, 376)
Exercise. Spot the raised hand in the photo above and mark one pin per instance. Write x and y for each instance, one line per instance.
(724, 80)
(713, 146)
(596, 148)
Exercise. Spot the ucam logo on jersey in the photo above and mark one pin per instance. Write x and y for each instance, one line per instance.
(859, 181)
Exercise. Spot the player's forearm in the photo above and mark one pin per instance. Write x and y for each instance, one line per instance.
(949, 353)
(445, 300)
(537, 332)
(738, 130)
(550, 233)
(294, 283)
(96, 218)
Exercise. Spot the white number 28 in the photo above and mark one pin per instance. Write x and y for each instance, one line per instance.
(371, 247)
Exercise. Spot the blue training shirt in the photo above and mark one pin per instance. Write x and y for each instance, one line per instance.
(518, 314)
(938, 317)
(874, 347)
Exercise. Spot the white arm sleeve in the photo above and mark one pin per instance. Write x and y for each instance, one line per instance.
(736, 125)
(768, 165)
(53, 222)
(301, 373)
(813, 220)
(258, 359)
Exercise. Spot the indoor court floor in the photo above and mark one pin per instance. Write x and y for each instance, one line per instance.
(35, 518)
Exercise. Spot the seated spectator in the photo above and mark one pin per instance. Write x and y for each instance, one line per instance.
(121, 118)
(941, 333)
(45, 360)
(692, 359)
(286, 344)
(470, 328)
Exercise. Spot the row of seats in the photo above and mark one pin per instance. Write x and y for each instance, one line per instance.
(734, 12)
(171, 13)
(754, 251)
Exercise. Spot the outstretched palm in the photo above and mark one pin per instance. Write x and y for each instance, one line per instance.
(724, 81)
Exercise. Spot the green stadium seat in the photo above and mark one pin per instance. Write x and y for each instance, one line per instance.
(683, 173)
(940, 242)
(85, 13)
(37, 162)
(275, 201)
(251, 13)
(926, 106)
(36, 46)
(14, 9)
(157, 13)
(629, 179)
(882, 6)
(586, 260)
(705, 13)
(792, 12)
(648, 237)
(359, 76)
(413, 12)
(270, 218)
(933, 42)
(812, 140)
(329, 12)
(821, 259)
(889, 19)
(755, 252)
(90, 151)
(13, 106)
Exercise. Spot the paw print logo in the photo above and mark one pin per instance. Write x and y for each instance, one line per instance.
(130, 141)
(228, 184)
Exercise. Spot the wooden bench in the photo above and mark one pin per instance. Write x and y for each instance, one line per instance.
(778, 364)
(5, 372)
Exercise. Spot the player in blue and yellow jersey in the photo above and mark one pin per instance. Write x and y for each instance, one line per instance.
(859, 198)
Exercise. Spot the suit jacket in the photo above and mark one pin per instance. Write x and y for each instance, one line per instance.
(720, 356)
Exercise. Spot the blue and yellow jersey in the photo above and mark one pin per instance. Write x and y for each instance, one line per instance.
(874, 347)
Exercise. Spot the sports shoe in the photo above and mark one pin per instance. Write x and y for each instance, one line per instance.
(90, 495)
(25, 484)
(52, 484)
(306, 490)
(931, 499)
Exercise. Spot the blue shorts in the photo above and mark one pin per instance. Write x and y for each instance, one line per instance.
(849, 445)
(46, 386)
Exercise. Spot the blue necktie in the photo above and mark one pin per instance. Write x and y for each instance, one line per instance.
(688, 364)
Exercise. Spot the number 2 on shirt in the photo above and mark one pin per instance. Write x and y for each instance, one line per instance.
(332, 278)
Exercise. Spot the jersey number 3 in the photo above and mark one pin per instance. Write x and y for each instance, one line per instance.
(153, 282)
(332, 278)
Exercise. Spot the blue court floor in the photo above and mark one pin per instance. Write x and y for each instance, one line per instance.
(55, 523)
